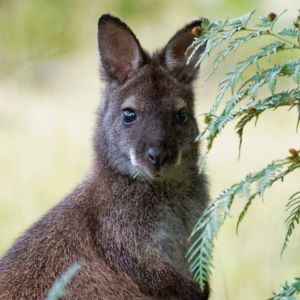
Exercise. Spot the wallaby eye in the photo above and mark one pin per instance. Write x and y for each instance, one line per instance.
(182, 116)
(129, 116)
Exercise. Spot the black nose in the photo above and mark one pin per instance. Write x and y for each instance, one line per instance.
(157, 157)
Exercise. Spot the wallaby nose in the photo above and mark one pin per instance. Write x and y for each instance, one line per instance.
(156, 156)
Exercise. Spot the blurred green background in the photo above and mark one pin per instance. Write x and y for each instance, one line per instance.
(49, 91)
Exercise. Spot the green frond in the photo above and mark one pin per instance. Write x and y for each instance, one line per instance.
(298, 121)
(266, 23)
(215, 33)
(242, 21)
(205, 231)
(296, 74)
(202, 162)
(235, 75)
(232, 46)
(244, 105)
(265, 178)
(289, 32)
(58, 289)
(249, 89)
(270, 76)
(203, 236)
(287, 291)
(277, 100)
(262, 179)
(293, 207)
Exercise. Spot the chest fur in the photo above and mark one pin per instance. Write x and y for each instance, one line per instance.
(155, 221)
(169, 237)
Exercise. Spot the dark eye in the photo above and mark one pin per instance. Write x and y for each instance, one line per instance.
(129, 116)
(182, 116)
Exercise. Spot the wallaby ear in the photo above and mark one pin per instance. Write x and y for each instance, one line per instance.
(175, 54)
(120, 51)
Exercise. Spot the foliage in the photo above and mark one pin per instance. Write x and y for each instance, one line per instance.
(293, 207)
(58, 289)
(36, 30)
(247, 102)
(287, 292)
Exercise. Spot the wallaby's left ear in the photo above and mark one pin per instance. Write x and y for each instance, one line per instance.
(120, 51)
(174, 54)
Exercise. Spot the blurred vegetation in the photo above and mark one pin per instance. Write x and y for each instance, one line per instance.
(49, 91)
(34, 30)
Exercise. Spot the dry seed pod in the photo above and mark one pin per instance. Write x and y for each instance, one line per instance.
(206, 119)
(291, 101)
(196, 31)
(251, 110)
(272, 16)
(294, 152)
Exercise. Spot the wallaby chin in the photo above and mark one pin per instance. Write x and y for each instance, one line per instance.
(128, 222)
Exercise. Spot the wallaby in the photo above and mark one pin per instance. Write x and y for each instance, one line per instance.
(128, 222)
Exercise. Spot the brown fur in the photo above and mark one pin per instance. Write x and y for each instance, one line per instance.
(128, 234)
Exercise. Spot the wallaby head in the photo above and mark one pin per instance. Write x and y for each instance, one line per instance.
(147, 124)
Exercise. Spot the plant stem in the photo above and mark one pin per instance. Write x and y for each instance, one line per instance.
(268, 32)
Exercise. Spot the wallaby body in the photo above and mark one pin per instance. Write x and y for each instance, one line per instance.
(129, 233)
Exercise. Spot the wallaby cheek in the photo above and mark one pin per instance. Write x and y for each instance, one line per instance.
(186, 137)
(116, 146)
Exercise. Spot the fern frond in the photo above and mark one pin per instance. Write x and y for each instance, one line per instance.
(203, 237)
(298, 121)
(274, 172)
(254, 83)
(268, 23)
(245, 105)
(289, 32)
(287, 291)
(236, 74)
(293, 207)
(215, 33)
(58, 289)
(232, 46)
(205, 231)
(285, 98)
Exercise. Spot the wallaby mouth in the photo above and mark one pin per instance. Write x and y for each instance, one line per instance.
(155, 164)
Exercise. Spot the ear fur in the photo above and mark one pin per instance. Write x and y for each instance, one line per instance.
(174, 54)
(120, 51)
